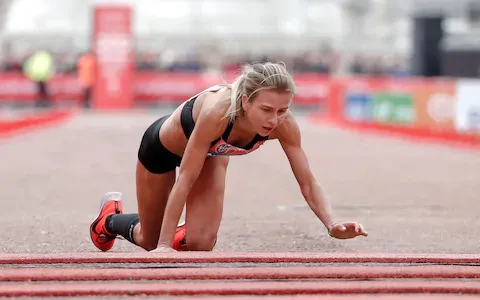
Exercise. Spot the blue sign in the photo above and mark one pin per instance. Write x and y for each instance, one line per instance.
(358, 107)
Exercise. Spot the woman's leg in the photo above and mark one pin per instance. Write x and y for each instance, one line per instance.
(152, 195)
(142, 229)
(204, 207)
(155, 177)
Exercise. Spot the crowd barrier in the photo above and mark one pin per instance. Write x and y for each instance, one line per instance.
(152, 87)
(435, 106)
(446, 110)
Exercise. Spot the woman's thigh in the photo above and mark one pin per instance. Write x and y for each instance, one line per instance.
(204, 207)
(152, 195)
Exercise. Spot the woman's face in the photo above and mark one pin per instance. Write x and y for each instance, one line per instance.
(266, 110)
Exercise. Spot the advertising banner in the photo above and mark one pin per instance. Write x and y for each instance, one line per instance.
(435, 104)
(113, 46)
(393, 108)
(357, 100)
(416, 102)
(467, 117)
(379, 100)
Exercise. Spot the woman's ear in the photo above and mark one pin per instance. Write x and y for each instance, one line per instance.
(244, 102)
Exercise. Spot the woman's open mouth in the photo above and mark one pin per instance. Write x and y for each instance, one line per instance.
(267, 128)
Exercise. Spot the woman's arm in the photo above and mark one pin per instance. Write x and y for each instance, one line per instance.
(207, 128)
(289, 136)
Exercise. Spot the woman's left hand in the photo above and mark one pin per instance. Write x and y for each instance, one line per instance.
(346, 230)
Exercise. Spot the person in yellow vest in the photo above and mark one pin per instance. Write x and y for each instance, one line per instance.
(86, 76)
(39, 68)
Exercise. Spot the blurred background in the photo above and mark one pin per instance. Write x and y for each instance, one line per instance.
(325, 36)
(406, 66)
(58, 53)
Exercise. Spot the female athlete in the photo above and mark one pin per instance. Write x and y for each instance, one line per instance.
(198, 137)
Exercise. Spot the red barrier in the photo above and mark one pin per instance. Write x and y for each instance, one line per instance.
(421, 107)
(17, 87)
(450, 138)
(29, 122)
(313, 89)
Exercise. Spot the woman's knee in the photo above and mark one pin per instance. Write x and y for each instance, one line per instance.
(201, 242)
(148, 245)
(145, 241)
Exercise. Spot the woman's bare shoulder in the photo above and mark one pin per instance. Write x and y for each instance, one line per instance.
(213, 106)
(215, 103)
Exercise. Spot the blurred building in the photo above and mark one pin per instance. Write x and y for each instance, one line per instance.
(359, 36)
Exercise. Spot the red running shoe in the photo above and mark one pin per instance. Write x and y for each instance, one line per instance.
(179, 239)
(111, 204)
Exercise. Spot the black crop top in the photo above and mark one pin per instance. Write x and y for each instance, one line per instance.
(220, 145)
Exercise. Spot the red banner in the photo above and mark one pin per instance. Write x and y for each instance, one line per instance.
(311, 89)
(176, 87)
(113, 46)
(16, 87)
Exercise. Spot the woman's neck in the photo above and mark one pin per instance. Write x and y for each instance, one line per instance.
(243, 126)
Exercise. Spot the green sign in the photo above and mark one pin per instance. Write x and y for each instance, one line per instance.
(393, 108)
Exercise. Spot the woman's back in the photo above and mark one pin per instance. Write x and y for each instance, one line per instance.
(172, 133)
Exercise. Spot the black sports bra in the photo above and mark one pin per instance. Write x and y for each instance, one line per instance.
(219, 146)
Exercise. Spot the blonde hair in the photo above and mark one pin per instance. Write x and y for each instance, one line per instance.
(257, 77)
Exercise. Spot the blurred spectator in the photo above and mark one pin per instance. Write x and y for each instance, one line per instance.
(210, 57)
(40, 68)
(146, 61)
(357, 66)
(86, 71)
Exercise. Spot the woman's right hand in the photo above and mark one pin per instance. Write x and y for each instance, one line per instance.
(163, 249)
